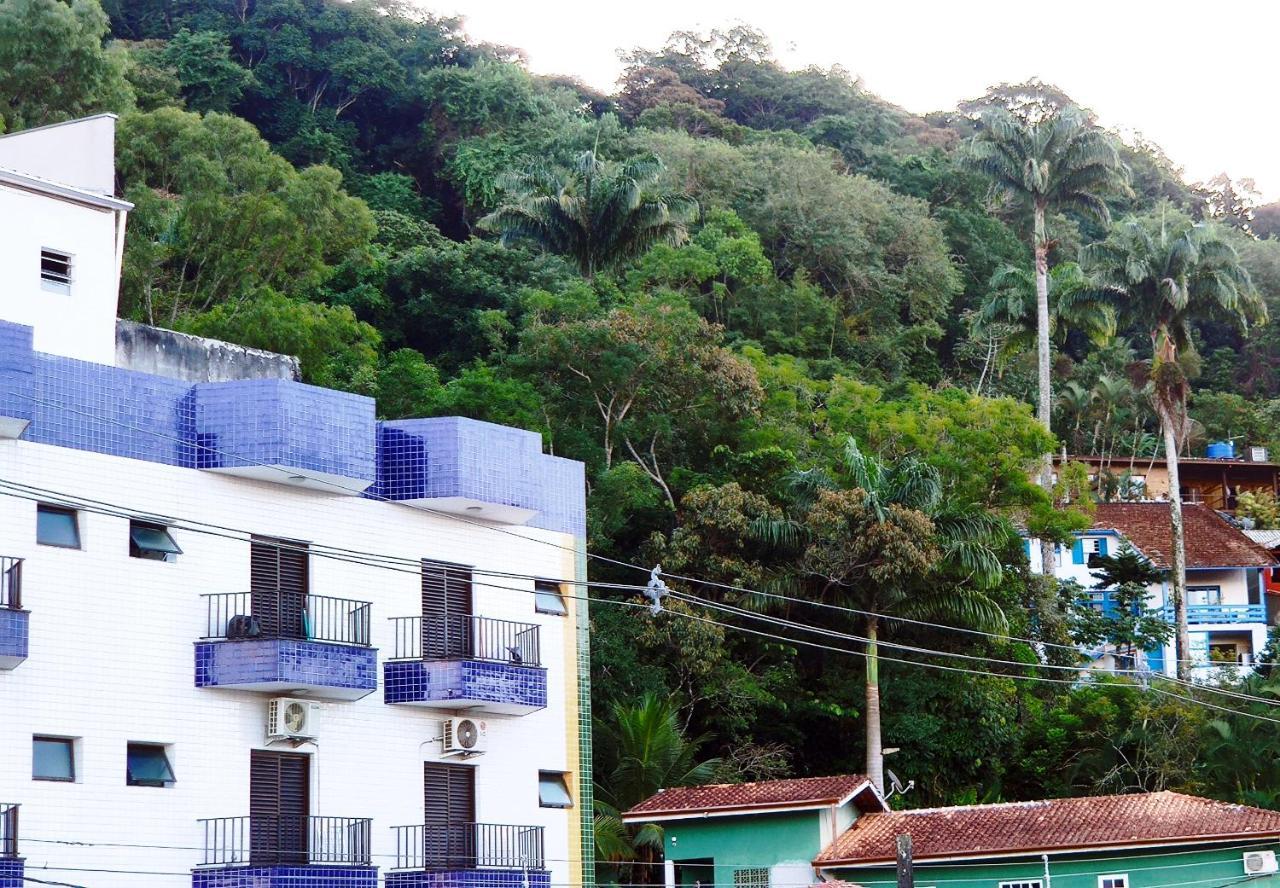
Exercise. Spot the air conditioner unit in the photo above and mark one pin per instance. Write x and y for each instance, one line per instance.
(290, 719)
(1258, 863)
(463, 736)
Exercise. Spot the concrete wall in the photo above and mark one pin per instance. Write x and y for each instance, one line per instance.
(111, 661)
(194, 358)
(80, 153)
(783, 843)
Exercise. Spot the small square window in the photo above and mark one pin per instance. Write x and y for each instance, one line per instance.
(548, 599)
(147, 764)
(151, 541)
(1028, 883)
(56, 526)
(1120, 880)
(55, 271)
(53, 758)
(755, 877)
(553, 790)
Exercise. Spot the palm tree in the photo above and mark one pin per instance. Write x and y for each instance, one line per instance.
(1073, 305)
(1173, 273)
(891, 545)
(1058, 161)
(1076, 401)
(597, 214)
(640, 750)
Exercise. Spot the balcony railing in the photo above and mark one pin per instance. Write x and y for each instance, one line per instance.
(11, 582)
(455, 846)
(1222, 613)
(281, 614)
(466, 638)
(8, 830)
(290, 841)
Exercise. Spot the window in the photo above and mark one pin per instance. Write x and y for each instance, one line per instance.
(1204, 595)
(147, 764)
(548, 599)
(1120, 880)
(756, 877)
(56, 526)
(1028, 883)
(553, 790)
(53, 758)
(151, 541)
(55, 271)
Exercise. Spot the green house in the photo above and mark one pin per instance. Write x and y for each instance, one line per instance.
(800, 833)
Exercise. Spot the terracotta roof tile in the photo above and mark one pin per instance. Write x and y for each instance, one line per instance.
(800, 792)
(1100, 821)
(1211, 540)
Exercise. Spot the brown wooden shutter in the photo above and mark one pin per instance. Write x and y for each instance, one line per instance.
(279, 805)
(449, 803)
(446, 609)
(279, 579)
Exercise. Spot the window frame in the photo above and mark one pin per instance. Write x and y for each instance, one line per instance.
(73, 514)
(1215, 590)
(1023, 883)
(152, 553)
(69, 743)
(61, 282)
(750, 877)
(1116, 880)
(163, 750)
(563, 778)
(542, 588)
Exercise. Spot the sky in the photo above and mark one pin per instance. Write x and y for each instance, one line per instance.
(1198, 78)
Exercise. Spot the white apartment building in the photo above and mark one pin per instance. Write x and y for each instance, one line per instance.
(1229, 609)
(251, 636)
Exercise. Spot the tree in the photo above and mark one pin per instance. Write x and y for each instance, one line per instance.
(210, 80)
(1073, 305)
(1128, 624)
(1052, 160)
(882, 545)
(598, 214)
(1172, 274)
(53, 66)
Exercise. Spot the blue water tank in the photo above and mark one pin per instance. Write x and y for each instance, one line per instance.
(1221, 450)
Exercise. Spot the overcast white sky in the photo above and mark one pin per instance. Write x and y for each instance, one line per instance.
(1198, 78)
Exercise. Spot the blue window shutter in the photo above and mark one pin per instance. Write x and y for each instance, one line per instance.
(1102, 547)
(1077, 551)
(1026, 545)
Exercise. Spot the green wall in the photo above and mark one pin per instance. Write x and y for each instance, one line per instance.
(1158, 868)
(743, 842)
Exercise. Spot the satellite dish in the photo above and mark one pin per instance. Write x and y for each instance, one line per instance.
(896, 786)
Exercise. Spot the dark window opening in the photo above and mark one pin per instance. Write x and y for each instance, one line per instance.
(548, 598)
(55, 271)
(53, 758)
(56, 526)
(553, 790)
(147, 764)
(152, 541)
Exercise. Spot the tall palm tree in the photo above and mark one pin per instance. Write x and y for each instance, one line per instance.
(889, 544)
(597, 214)
(1073, 305)
(640, 750)
(1057, 161)
(1173, 273)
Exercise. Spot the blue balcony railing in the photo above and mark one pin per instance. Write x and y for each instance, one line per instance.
(1222, 613)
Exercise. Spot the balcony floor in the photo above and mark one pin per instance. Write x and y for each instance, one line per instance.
(499, 688)
(332, 671)
(468, 878)
(314, 876)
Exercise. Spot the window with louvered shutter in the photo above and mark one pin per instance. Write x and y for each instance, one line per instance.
(279, 579)
(279, 802)
(449, 806)
(446, 610)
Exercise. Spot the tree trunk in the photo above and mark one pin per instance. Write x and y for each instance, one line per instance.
(1182, 645)
(1044, 402)
(875, 754)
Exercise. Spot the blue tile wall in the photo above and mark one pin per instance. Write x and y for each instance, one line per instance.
(474, 878)
(123, 412)
(266, 661)
(452, 456)
(421, 681)
(11, 872)
(285, 877)
(15, 632)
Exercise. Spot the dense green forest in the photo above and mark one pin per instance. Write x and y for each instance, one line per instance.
(707, 287)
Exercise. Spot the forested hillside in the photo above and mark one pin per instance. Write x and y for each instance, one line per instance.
(705, 287)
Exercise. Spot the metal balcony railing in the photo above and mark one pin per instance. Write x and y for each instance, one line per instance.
(8, 830)
(282, 614)
(466, 638)
(455, 846)
(290, 841)
(1222, 613)
(10, 582)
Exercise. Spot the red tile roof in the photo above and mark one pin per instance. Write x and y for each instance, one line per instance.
(1057, 824)
(1211, 540)
(803, 792)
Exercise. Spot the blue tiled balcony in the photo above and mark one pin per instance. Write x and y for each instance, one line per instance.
(286, 852)
(17, 379)
(284, 877)
(469, 855)
(262, 642)
(470, 663)
(15, 628)
(283, 431)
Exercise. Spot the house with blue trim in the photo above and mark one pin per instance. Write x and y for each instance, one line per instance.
(1228, 605)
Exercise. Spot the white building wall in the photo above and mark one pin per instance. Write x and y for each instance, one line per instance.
(111, 661)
